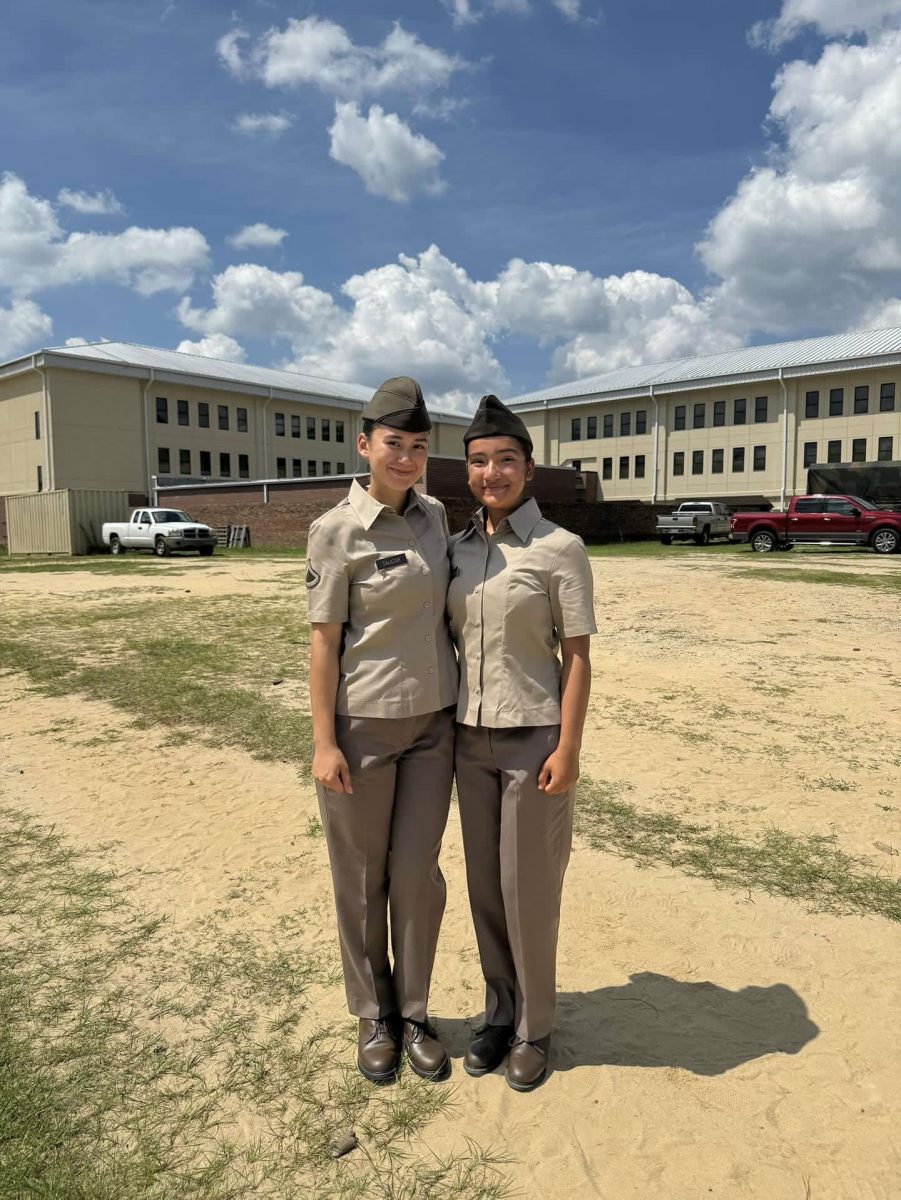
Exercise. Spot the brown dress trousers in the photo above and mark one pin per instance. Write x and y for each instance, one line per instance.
(517, 842)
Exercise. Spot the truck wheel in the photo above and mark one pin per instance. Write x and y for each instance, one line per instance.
(703, 538)
(206, 551)
(160, 549)
(885, 541)
(764, 542)
(115, 546)
(665, 539)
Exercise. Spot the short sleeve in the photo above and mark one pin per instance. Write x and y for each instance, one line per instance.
(328, 586)
(572, 592)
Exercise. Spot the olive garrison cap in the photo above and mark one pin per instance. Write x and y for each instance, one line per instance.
(399, 403)
(494, 419)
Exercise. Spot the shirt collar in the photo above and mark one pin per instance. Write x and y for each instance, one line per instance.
(522, 520)
(368, 509)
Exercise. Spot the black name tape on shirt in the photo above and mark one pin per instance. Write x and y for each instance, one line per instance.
(393, 560)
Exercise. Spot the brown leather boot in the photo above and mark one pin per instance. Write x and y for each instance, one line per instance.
(527, 1063)
(425, 1054)
(487, 1050)
(378, 1049)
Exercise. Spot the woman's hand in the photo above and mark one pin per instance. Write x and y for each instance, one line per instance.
(560, 771)
(331, 770)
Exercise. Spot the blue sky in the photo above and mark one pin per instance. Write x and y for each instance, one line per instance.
(517, 190)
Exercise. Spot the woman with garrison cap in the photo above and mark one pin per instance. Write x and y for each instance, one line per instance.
(383, 682)
(520, 588)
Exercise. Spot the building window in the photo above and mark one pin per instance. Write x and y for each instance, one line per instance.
(162, 410)
(760, 458)
(607, 468)
(339, 434)
(295, 425)
(203, 414)
(37, 426)
(639, 465)
(326, 468)
(641, 421)
(760, 409)
(885, 450)
(679, 417)
(836, 402)
(206, 466)
(311, 466)
(326, 432)
(575, 432)
(243, 466)
(698, 416)
(697, 462)
(279, 424)
(738, 458)
(592, 430)
(281, 468)
(296, 468)
(859, 450)
(812, 404)
(625, 424)
(40, 478)
(887, 397)
(163, 463)
(624, 466)
(717, 458)
(608, 424)
(577, 464)
(679, 463)
(833, 452)
(739, 412)
(340, 469)
(225, 465)
(223, 416)
(182, 412)
(862, 399)
(241, 418)
(311, 429)
(719, 412)
(810, 453)
(184, 462)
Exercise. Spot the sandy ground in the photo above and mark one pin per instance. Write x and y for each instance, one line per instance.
(709, 1043)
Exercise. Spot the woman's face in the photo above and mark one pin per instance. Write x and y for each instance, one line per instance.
(396, 459)
(498, 471)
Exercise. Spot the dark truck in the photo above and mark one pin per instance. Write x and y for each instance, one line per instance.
(820, 521)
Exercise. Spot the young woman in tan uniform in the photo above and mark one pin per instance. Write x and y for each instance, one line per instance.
(383, 681)
(521, 588)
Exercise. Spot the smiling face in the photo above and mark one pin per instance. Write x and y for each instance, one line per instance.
(497, 472)
(396, 459)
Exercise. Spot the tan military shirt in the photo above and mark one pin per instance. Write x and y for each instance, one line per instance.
(512, 596)
(384, 577)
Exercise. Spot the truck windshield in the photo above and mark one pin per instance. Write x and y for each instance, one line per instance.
(170, 515)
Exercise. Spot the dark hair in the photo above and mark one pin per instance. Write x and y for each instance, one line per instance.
(368, 427)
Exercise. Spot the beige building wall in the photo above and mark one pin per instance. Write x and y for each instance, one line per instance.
(21, 452)
(96, 430)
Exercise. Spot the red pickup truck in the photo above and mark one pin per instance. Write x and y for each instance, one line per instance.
(819, 521)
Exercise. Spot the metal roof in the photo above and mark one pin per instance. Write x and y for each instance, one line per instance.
(806, 356)
(212, 372)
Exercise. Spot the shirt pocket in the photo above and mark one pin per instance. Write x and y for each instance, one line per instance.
(387, 590)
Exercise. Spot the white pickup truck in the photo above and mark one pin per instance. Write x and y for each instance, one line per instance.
(161, 530)
(700, 520)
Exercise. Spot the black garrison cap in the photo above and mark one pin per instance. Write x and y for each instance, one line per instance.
(399, 404)
(494, 419)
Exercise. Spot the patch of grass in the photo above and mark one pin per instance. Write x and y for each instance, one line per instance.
(651, 548)
(830, 783)
(137, 1064)
(810, 869)
(877, 582)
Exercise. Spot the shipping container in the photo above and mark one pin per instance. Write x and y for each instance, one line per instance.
(67, 521)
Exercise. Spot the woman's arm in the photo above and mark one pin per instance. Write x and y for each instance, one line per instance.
(561, 769)
(329, 764)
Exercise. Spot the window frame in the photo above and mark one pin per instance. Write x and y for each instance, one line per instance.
(678, 464)
(225, 464)
(679, 413)
(761, 410)
(812, 406)
(697, 462)
(739, 461)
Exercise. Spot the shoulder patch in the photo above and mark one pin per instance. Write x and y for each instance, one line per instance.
(313, 576)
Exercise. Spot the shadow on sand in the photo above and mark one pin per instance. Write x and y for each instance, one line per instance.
(655, 1021)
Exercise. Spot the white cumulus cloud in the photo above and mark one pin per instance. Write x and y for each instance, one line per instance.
(468, 12)
(273, 124)
(101, 204)
(23, 326)
(389, 157)
(831, 18)
(261, 235)
(215, 345)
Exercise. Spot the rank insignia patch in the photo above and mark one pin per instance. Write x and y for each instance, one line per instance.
(313, 576)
